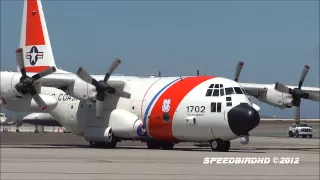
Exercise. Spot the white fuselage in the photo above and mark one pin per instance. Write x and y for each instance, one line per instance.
(171, 108)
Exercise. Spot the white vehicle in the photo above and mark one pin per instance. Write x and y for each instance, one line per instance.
(3, 118)
(300, 129)
(161, 111)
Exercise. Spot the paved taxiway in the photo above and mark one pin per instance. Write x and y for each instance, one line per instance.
(66, 156)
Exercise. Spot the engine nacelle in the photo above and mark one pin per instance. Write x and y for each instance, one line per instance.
(125, 124)
(27, 104)
(81, 90)
(98, 134)
(276, 98)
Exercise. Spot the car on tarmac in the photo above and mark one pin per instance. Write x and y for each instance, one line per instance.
(300, 129)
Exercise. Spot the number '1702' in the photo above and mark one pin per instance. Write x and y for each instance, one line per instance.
(197, 109)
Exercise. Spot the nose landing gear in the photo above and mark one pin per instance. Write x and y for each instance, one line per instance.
(220, 145)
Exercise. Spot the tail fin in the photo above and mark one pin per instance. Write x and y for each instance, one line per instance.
(34, 38)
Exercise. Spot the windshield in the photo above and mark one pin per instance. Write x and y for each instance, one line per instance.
(302, 125)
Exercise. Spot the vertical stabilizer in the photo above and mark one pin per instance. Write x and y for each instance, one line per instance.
(34, 38)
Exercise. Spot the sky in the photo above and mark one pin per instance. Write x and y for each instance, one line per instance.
(274, 39)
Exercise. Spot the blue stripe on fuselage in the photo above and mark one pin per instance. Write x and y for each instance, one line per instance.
(152, 101)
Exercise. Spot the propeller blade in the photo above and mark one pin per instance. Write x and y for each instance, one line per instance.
(113, 67)
(86, 77)
(20, 62)
(314, 97)
(40, 102)
(10, 94)
(44, 73)
(303, 75)
(121, 93)
(99, 108)
(238, 71)
(297, 114)
(282, 88)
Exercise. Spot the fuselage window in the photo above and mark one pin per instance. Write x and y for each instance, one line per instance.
(221, 85)
(211, 86)
(166, 117)
(216, 86)
(213, 107)
(216, 107)
(238, 90)
(229, 91)
(229, 103)
(219, 107)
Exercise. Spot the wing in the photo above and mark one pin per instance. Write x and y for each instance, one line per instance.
(255, 90)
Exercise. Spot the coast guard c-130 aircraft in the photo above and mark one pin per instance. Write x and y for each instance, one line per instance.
(161, 111)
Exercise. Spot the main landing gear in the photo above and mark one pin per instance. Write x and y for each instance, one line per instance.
(166, 145)
(110, 145)
(220, 145)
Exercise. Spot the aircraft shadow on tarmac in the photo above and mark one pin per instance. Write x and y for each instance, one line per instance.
(232, 150)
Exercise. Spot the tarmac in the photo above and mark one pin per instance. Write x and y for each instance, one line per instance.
(67, 156)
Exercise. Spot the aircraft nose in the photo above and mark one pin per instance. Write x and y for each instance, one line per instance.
(242, 119)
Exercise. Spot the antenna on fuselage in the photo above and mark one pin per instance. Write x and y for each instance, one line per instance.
(159, 74)
(198, 72)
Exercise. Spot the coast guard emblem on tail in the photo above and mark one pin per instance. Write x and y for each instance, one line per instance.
(34, 55)
(166, 105)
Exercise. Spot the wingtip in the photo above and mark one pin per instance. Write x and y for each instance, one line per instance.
(241, 63)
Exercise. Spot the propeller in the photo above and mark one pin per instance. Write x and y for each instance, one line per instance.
(297, 93)
(102, 86)
(238, 71)
(26, 83)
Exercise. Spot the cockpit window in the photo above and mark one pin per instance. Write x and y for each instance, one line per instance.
(229, 91)
(238, 90)
(209, 92)
(244, 91)
(221, 92)
(215, 90)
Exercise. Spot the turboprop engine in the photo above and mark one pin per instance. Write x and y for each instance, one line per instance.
(125, 124)
(27, 89)
(122, 124)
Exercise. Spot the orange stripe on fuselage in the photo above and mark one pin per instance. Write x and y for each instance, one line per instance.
(34, 33)
(36, 68)
(159, 128)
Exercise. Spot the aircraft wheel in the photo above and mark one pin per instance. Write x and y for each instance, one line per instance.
(167, 145)
(304, 136)
(153, 145)
(111, 144)
(219, 145)
(290, 134)
(310, 136)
